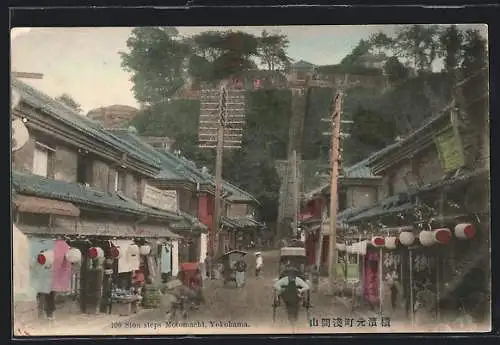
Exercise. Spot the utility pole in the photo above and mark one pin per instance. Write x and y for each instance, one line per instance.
(332, 258)
(222, 117)
(218, 169)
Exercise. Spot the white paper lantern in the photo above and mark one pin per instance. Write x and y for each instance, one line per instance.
(45, 258)
(145, 249)
(426, 238)
(391, 242)
(407, 238)
(74, 255)
(340, 247)
(348, 249)
(133, 250)
(465, 231)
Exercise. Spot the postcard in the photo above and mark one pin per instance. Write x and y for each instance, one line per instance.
(250, 180)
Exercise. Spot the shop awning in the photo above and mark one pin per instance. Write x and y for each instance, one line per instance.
(34, 204)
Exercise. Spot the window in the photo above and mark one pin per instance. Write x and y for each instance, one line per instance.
(84, 170)
(120, 181)
(43, 160)
(138, 189)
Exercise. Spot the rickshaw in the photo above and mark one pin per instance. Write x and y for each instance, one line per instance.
(228, 260)
(295, 258)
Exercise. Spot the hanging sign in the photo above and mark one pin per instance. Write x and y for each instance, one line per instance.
(449, 146)
(161, 199)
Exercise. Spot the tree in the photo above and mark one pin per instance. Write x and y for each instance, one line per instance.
(218, 55)
(156, 59)
(272, 51)
(474, 68)
(417, 44)
(354, 58)
(370, 131)
(451, 41)
(70, 102)
(395, 70)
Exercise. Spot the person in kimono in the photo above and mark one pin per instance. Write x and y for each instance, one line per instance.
(259, 262)
(240, 267)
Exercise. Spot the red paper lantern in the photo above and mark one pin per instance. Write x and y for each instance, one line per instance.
(115, 252)
(465, 231)
(442, 235)
(378, 241)
(41, 259)
(95, 253)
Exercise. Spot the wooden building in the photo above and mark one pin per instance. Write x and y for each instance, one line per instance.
(76, 183)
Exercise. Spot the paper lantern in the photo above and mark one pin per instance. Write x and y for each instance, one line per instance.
(348, 249)
(115, 252)
(45, 258)
(340, 247)
(144, 250)
(442, 235)
(96, 253)
(391, 242)
(426, 238)
(407, 238)
(133, 250)
(378, 241)
(74, 255)
(465, 231)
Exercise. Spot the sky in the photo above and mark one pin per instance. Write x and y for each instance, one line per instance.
(84, 62)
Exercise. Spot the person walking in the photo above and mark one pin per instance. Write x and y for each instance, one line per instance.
(241, 267)
(259, 263)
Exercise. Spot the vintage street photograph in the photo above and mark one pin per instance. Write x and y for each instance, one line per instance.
(250, 180)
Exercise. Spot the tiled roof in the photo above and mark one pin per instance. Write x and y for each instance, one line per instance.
(241, 222)
(76, 193)
(189, 168)
(359, 170)
(168, 169)
(302, 63)
(58, 110)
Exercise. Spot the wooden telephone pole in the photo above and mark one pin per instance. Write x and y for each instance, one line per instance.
(218, 169)
(222, 116)
(335, 157)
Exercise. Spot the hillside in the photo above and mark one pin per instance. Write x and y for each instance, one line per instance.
(379, 117)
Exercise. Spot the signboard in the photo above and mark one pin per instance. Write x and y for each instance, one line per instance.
(449, 146)
(161, 199)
